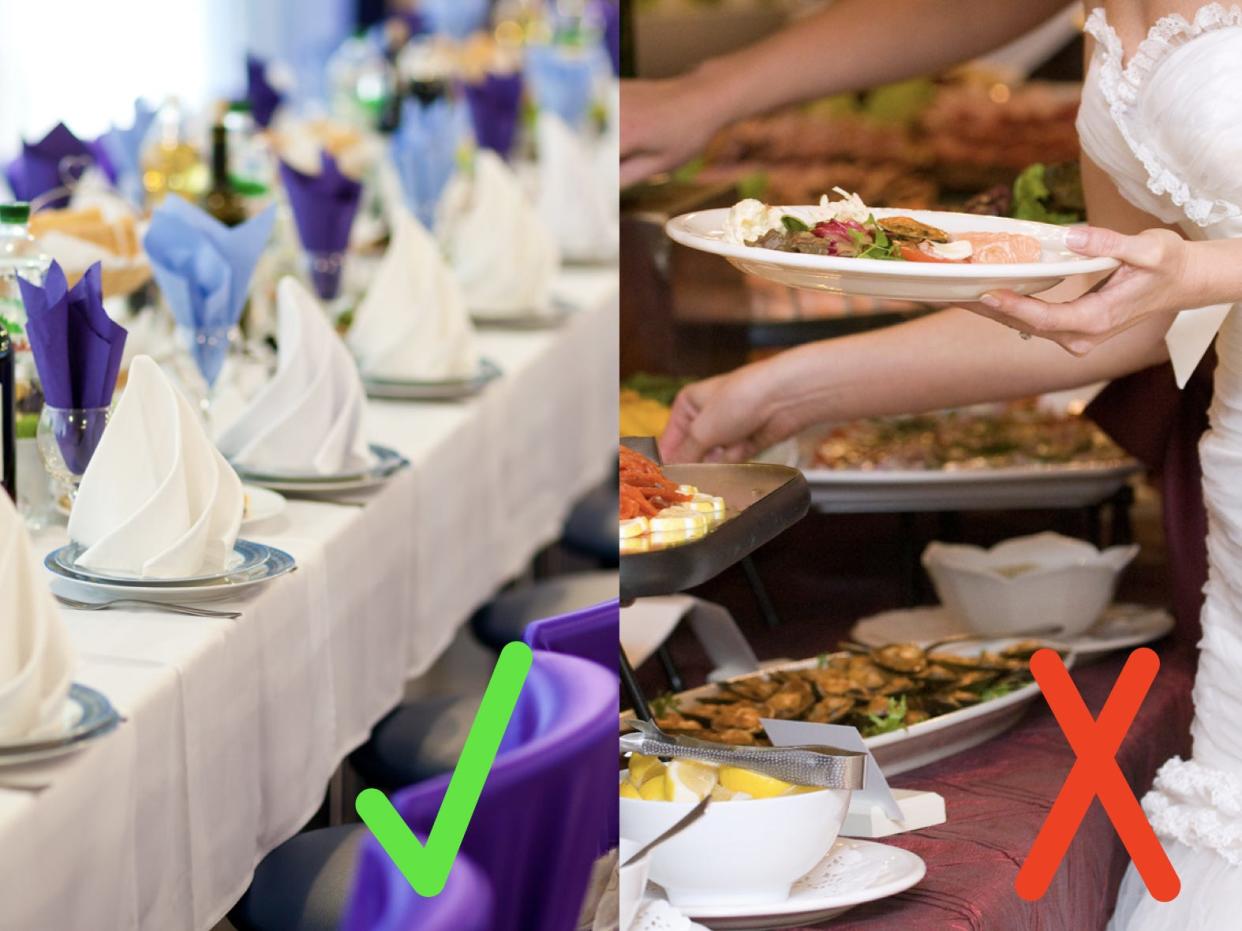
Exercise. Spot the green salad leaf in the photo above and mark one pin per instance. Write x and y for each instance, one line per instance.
(1031, 197)
(892, 720)
(794, 225)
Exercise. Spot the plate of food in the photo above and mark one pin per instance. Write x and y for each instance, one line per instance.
(912, 704)
(844, 246)
(1015, 455)
(680, 525)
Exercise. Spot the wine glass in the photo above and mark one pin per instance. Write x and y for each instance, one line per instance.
(325, 269)
(67, 439)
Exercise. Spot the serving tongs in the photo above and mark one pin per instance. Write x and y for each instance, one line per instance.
(820, 766)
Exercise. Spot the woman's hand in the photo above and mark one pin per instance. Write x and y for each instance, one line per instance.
(727, 418)
(1158, 277)
(664, 124)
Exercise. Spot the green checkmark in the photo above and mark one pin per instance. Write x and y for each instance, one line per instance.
(427, 866)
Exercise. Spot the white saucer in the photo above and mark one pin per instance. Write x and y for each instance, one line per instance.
(853, 872)
(1122, 626)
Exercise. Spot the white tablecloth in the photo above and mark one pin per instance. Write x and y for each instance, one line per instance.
(234, 728)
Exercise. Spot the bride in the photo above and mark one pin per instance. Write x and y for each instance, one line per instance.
(1161, 131)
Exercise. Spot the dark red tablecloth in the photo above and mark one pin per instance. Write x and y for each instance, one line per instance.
(826, 573)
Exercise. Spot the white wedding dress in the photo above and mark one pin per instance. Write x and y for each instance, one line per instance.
(1167, 126)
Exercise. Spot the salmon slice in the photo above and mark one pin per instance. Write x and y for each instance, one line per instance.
(1000, 248)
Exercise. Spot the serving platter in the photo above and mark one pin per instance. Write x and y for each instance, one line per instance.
(936, 738)
(761, 501)
(1122, 626)
(453, 389)
(927, 282)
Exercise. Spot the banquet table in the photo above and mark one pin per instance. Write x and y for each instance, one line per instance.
(233, 728)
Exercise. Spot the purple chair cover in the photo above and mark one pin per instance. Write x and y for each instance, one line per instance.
(386, 902)
(535, 833)
(592, 633)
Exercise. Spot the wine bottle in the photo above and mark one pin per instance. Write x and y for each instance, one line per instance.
(8, 417)
(222, 201)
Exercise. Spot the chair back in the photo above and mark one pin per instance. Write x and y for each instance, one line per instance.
(592, 633)
(382, 900)
(535, 833)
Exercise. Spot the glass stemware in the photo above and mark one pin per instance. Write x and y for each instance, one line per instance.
(326, 270)
(67, 439)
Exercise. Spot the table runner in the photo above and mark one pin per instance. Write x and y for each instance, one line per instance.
(235, 727)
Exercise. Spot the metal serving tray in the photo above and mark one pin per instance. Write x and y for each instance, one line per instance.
(762, 501)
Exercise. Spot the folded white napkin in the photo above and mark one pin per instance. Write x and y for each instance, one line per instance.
(413, 325)
(36, 661)
(502, 253)
(157, 500)
(308, 418)
(572, 200)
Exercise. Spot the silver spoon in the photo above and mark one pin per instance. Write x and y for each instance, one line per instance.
(693, 815)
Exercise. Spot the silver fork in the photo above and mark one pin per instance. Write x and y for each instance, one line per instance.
(190, 610)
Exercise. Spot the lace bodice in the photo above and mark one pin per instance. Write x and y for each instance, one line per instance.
(1167, 127)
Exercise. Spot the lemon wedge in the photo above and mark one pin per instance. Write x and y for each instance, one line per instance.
(634, 545)
(756, 785)
(706, 504)
(634, 527)
(653, 791)
(642, 766)
(628, 791)
(678, 517)
(688, 781)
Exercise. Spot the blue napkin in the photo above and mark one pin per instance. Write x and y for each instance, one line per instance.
(424, 149)
(203, 269)
(456, 18)
(123, 148)
(77, 351)
(561, 80)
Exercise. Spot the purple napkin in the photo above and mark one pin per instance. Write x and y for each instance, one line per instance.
(495, 104)
(263, 98)
(324, 206)
(57, 159)
(609, 13)
(77, 349)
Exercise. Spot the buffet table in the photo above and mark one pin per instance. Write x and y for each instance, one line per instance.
(235, 727)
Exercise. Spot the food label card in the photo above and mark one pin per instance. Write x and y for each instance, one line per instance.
(875, 789)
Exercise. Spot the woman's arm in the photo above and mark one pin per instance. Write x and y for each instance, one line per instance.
(948, 359)
(853, 44)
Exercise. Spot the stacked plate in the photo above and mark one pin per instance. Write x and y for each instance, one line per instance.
(454, 389)
(88, 715)
(387, 462)
(251, 564)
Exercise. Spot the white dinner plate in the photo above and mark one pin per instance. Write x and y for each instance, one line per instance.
(1123, 626)
(87, 715)
(908, 281)
(853, 872)
(454, 389)
(277, 563)
(387, 463)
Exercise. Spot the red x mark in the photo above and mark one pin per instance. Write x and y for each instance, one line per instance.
(1095, 773)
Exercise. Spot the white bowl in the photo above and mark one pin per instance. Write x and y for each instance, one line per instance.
(746, 852)
(1026, 583)
(631, 883)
